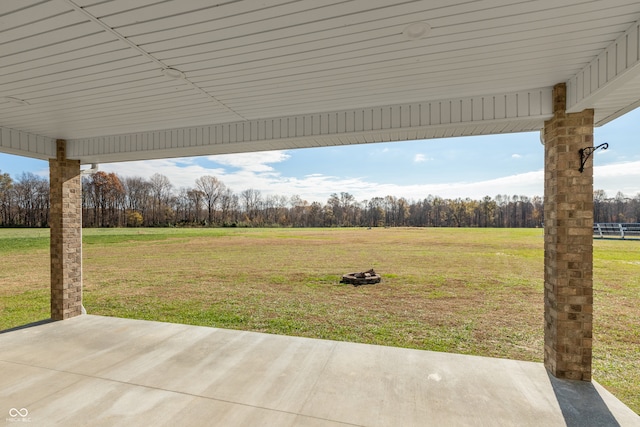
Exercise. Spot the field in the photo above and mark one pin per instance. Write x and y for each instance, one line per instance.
(471, 291)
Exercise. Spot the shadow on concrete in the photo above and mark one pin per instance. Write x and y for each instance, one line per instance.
(581, 404)
(28, 325)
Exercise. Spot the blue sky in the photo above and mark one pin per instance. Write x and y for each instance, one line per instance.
(454, 167)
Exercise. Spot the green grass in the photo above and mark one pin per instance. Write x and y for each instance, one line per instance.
(470, 291)
(23, 240)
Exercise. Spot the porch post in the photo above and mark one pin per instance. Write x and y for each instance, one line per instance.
(66, 235)
(568, 242)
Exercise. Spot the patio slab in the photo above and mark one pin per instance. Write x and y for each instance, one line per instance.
(94, 370)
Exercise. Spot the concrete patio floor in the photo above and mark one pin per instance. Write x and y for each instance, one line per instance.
(94, 370)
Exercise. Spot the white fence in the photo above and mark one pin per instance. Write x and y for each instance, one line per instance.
(616, 229)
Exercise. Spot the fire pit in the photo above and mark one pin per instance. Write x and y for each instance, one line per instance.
(364, 278)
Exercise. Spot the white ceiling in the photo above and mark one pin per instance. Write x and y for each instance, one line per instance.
(271, 74)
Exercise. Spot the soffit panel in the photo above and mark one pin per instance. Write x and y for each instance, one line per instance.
(188, 141)
(513, 112)
(89, 68)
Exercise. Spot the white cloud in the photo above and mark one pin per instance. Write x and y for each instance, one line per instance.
(419, 158)
(255, 172)
(624, 177)
(516, 156)
(257, 162)
(181, 172)
(527, 184)
(626, 169)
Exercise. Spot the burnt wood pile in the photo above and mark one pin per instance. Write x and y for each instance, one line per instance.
(368, 277)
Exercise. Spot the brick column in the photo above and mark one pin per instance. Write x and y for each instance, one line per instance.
(66, 235)
(568, 242)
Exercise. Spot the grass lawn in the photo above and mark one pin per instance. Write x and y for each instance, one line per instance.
(471, 291)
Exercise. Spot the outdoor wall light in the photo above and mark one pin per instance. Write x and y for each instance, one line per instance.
(585, 153)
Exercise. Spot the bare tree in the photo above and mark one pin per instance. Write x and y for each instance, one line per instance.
(211, 189)
(195, 197)
(299, 211)
(137, 199)
(104, 195)
(376, 212)
(134, 201)
(251, 201)
(161, 193)
(32, 200)
(6, 198)
(229, 207)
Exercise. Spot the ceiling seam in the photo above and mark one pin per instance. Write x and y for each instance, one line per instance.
(147, 55)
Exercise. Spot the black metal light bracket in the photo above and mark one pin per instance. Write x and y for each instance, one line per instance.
(585, 153)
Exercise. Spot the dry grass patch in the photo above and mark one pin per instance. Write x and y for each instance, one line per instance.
(437, 293)
(472, 291)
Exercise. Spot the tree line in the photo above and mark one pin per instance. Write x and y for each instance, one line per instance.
(109, 200)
